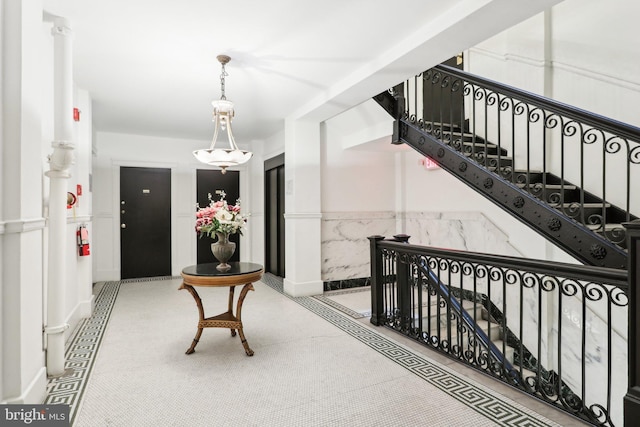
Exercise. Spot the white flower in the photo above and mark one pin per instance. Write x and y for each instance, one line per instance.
(224, 216)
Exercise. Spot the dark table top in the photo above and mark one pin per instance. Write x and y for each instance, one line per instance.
(209, 270)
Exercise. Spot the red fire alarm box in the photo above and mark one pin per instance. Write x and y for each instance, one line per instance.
(76, 115)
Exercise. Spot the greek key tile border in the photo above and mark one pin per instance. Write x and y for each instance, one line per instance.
(81, 352)
(346, 310)
(486, 402)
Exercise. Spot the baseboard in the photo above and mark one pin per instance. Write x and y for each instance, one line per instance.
(332, 285)
(303, 289)
(35, 392)
(82, 310)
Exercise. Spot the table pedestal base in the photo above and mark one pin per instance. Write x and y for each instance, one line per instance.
(224, 320)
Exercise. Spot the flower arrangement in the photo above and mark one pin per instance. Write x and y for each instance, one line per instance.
(219, 217)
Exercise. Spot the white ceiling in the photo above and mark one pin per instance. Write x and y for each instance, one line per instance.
(150, 65)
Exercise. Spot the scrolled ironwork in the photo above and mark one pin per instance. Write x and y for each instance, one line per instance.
(569, 287)
(479, 93)
(634, 155)
(570, 128)
(572, 210)
(592, 136)
(548, 283)
(445, 81)
(451, 330)
(551, 121)
(555, 199)
(457, 85)
(617, 235)
(492, 98)
(505, 104)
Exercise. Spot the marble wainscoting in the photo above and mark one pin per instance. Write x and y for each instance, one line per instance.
(345, 247)
(591, 331)
(468, 231)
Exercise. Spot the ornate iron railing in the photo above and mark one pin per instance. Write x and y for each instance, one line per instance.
(533, 151)
(555, 331)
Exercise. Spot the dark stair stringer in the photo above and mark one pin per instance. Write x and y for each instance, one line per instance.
(556, 222)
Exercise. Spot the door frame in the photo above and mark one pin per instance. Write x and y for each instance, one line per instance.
(269, 164)
(115, 171)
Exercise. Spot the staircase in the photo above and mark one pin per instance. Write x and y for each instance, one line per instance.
(570, 175)
(552, 330)
(570, 200)
(468, 326)
(583, 224)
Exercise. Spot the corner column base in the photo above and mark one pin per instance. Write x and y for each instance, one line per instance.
(304, 289)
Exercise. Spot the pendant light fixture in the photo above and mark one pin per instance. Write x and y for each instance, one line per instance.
(223, 113)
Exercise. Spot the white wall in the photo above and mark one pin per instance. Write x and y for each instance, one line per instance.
(582, 53)
(22, 356)
(370, 186)
(27, 134)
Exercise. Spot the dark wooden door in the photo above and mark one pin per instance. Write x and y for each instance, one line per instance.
(213, 182)
(274, 215)
(445, 105)
(145, 222)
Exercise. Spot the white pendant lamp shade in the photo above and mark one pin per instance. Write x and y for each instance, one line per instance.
(223, 113)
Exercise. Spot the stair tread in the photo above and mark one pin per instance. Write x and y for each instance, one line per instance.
(549, 186)
(518, 171)
(586, 205)
(609, 226)
(491, 156)
(434, 325)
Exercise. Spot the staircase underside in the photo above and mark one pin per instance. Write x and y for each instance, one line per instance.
(570, 235)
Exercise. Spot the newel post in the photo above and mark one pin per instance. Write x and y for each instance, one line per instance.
(377, 281)
(402, 283)
(632, 398)
(398, 112)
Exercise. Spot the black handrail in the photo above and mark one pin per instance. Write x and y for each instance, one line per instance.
(612, 276)
(601, 122)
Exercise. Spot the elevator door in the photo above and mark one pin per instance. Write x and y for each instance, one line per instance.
(274, 216)
(212, 182)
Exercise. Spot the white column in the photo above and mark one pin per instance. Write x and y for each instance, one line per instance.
(23, 375)
(59, 162)
(303, 258)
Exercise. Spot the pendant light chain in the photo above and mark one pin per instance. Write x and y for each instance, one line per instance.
(223, 113)
(222, 76)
